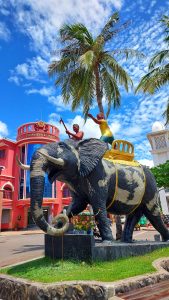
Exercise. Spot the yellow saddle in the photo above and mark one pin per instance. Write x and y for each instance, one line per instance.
(121, 150)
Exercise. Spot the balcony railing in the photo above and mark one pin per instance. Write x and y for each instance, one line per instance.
(37, 129)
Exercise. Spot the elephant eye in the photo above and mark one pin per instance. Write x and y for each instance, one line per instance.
(63, 145)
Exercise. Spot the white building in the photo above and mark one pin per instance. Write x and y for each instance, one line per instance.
(159, 140)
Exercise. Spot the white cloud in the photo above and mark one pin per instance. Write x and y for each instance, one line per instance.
(147, 162)
(44, 91)
(3, 130)
(54, 116)
(41, 20)
(4, 32)
(34, 69)
(57, 101)
(14, 79)
(114, 127)
(4, 9)
(90, 129)
(133, 131)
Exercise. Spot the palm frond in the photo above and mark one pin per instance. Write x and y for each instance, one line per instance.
(165, 21)
(166, 113)
(111, 90)
(159, 76)
(86, 60)
(154, 80)
(118, 72)
(76, 32)
(84, 92)
(107, 32)
(128, 53)
(59, 66)
(158, 58)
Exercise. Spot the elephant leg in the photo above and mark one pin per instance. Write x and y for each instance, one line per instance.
(119, 229)
(103, 222)
(157, 222)
(76, 207)
(130, 223)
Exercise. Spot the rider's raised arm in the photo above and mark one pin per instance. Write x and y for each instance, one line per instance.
(94, 119)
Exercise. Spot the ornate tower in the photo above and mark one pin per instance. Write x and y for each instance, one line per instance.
(14, 182)
(159, 140)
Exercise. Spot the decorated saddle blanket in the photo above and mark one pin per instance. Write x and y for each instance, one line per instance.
(129, 188)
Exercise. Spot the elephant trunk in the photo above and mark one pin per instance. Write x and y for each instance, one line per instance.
(37, 182)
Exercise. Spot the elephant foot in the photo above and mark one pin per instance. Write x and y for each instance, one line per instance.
(107, 242)
(118, 237)
(165, 240)
(130, 241)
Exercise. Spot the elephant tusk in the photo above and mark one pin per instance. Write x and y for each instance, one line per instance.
(56, 161)
(22, 166)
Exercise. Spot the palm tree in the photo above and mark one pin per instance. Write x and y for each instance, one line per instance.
(158, 74)
(166, 114)
(86, 70)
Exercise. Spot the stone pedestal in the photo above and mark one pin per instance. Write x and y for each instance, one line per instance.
(70, 246)
(84, 247)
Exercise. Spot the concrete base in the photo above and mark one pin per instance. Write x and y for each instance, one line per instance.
(84, 247)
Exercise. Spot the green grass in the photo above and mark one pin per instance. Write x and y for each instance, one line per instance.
(47, 270)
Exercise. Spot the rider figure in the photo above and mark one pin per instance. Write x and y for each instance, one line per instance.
(78, 135)
(107, 135)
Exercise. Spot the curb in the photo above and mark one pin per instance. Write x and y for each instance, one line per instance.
(20, 263)
(107, 291)
(16, 233)
(133, 283)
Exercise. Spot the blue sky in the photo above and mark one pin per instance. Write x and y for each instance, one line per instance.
(28, 37)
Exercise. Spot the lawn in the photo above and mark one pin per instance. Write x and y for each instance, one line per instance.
(47, 270)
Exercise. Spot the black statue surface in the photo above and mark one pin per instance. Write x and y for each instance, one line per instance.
(107, 186)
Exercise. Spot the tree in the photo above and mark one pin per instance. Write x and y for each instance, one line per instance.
(161, 174)
(86, 70)
(166, 114)
(158, 74)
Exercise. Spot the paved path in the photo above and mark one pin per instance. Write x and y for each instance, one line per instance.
(15, 248)
(158, 291)
(18, 246)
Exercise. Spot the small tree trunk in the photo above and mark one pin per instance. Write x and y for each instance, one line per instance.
(98, 90)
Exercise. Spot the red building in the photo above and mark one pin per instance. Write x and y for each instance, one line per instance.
(14, 182)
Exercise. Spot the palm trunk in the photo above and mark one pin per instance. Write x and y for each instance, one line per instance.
(98, 90)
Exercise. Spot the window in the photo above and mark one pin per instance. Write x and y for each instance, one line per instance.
(5, 216)
(55, 190)
(30, 128)
(66, 192)
(22, 158)
(160, 142)
(25, 157)
(2, 153)
(7, 192)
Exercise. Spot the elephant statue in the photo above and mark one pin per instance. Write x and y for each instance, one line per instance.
(109, 187)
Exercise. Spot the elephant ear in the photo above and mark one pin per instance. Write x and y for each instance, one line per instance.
(90, 153)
